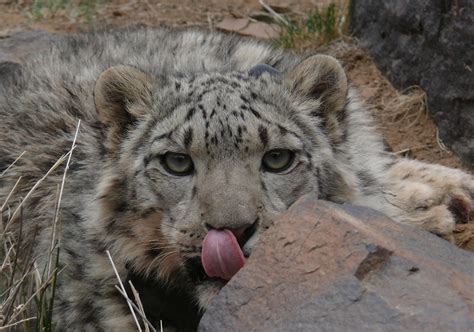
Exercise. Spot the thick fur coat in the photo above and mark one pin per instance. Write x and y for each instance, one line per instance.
(144, 93)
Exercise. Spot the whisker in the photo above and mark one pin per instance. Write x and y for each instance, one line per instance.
(158, 260)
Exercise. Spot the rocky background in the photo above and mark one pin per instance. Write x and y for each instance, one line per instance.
(429, 43)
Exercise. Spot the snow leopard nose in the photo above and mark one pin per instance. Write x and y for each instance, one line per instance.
(235, 208)
(233, 215)
(228, 198)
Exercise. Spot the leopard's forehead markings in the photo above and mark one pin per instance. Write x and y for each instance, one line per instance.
(218, 120)
(218, 108)
(221, 115)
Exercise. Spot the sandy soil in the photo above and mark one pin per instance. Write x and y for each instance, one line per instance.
(402, 116)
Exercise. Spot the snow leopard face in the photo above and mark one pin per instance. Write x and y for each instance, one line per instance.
(204, 164)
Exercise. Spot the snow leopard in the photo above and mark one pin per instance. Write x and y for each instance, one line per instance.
(190, 144)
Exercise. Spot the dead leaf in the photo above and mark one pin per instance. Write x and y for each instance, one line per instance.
(261, 30)
(245, 27)
(233, 24)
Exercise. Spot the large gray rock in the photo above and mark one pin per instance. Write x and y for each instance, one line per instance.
(325, 267)
(428, 43)
(15, 47)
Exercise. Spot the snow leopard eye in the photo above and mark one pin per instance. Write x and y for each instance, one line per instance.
(177, 163)
(278, 160)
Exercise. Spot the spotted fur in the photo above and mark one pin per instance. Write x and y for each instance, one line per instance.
(143, 92)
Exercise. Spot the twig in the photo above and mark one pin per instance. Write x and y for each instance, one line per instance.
(440, 143)
(274, 13)
(9, 196)
(130, 302)
(148, 325)
(410, 149)
(16, 323)
(32, 190)
(13, 163)
(34, 294)
(124, 293)
(53, 235)
(139, 303)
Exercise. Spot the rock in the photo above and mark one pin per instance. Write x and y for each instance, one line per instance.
(333, 267)
(17, 45)
(427, 43)
(246, 27)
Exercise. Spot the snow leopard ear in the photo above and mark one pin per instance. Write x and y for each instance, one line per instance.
(320, 77)
(122, 94)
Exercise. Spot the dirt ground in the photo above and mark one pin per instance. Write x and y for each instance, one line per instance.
(402, 116)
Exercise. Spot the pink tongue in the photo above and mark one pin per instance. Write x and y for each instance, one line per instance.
(221, 254)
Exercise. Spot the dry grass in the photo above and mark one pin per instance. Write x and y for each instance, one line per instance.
(409, 108)
(28, 282)
(318, 27)
(409, 104)
(28, 286)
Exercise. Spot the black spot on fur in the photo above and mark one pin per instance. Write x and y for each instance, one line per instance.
(263, 134)
(168, 135)
(146, 213)
(121, 207)
(321, 194)
(190, 113)
(255, 113)
(147, 160)
(366, 178)
(213, 113)
(386, 146)
(283, 130)
(295, 192)
(188, 137)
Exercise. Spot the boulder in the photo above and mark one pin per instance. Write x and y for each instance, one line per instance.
(16, 46)
(333, 267)
(427, 43)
